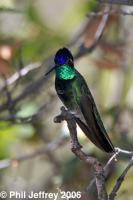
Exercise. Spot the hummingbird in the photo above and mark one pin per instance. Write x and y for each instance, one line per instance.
(73, 91)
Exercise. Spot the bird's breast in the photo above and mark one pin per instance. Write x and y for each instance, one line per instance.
(65, 92)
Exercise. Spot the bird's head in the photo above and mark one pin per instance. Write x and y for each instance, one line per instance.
(64, 64)
(63, 57)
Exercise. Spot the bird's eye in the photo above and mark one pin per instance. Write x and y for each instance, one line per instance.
(70, 62)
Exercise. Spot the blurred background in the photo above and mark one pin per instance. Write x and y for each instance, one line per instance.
(35, 152)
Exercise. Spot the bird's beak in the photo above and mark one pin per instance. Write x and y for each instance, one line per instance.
(47, 73)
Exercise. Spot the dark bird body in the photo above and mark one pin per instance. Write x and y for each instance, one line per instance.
(76, 96)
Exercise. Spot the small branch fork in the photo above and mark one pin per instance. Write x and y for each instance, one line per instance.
(99, 170)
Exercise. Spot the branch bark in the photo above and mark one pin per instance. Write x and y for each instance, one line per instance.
(76, 149)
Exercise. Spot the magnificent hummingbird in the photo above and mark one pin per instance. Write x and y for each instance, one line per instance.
(76, 96)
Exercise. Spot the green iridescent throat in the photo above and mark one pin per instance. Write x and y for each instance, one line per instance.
(65, 72)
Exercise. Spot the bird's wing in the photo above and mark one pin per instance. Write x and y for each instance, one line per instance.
(93, 126)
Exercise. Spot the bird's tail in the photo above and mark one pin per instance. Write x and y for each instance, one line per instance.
(98, 138)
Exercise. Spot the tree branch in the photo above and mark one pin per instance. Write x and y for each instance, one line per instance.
(82, 49)
(24, 71)
(76, 149)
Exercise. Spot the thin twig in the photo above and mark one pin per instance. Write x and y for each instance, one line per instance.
(120, 181)
(24, 71)
(123, 151)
